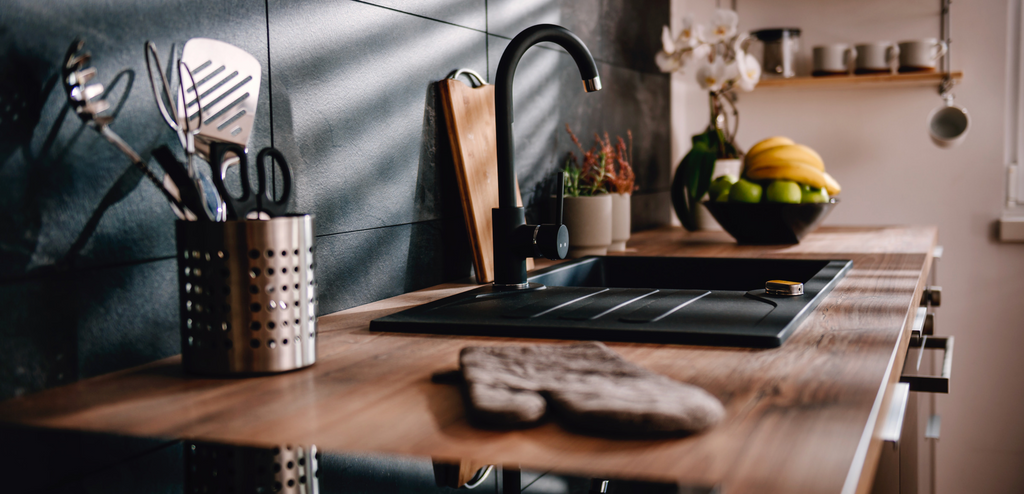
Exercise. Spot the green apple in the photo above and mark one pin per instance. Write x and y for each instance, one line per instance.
(723, 197)
(719, 185)
(786, 191)
(811, 194)
(745, 191)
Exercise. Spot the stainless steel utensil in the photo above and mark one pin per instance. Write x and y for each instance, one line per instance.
(87, 103)
(228, 84)
(185, 128)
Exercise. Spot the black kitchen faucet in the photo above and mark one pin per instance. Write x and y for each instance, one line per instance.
(514, 240)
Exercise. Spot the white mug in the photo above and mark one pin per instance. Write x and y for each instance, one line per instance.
(834, 59)
(880, 56)
(921, 54)
(948, 124)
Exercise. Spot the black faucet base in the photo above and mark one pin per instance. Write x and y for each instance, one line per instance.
(509, 263)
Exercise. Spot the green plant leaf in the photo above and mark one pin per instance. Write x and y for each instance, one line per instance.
(705, 168)
(572, 180)
(694, 176)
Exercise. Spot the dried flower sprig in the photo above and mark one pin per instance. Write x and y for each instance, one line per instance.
(605, 167)
(623, 181)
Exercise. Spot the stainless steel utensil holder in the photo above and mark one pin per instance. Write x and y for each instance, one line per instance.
(247, 295)
(283, 469)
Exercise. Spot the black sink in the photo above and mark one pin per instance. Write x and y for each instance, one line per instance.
(686, 300)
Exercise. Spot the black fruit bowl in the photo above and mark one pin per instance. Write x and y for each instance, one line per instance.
(769, 222)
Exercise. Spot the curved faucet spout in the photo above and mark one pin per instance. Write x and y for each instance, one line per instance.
(514, 240)
(503, 94)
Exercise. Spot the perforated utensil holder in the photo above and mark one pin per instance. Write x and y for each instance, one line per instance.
(247, 295)
(283, 469)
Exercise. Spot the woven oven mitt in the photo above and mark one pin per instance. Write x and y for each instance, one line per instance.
(587, 386)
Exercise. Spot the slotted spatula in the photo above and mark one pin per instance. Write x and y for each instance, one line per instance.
(228, 81)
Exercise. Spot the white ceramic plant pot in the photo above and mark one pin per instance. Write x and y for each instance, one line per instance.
(620, 222)
(722, 167)
(589, 220)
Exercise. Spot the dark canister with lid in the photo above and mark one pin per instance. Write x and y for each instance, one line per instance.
(780, 47)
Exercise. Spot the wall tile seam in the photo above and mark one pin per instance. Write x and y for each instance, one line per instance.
(47, 271)
(382, 227)
(488, 33)
(421, 16)
(442, 219)
(598, 60)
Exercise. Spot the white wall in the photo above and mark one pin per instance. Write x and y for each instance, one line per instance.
(875, 142)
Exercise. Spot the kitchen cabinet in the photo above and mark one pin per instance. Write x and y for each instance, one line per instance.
(907, 461)
(804, 417)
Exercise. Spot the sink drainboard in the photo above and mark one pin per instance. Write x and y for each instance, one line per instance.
(732, 312)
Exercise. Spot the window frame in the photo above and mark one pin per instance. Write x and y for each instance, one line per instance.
(1011, 224)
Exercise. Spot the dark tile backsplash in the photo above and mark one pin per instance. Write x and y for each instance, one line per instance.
(70, 199)
(348, 94)
(362, 123)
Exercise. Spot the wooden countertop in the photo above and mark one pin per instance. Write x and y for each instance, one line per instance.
(800, 418)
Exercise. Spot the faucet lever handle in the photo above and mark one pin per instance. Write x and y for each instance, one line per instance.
(552, 241)
(560, 181)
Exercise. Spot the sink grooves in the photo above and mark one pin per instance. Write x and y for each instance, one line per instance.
(606, 304)
(568, 303)
(553, 301)
(663, 306)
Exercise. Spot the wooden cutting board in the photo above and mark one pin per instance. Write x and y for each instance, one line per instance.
(469, 114)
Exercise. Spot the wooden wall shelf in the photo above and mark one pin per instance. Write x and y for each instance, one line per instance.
(861, 81)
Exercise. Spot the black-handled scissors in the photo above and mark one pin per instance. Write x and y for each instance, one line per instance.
(261, 199)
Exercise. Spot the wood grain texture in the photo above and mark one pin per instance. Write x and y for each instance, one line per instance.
(799, 418)
(861, 81)
(469, 115)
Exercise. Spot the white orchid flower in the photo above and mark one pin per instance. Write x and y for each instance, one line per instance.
(668, 45)
(677, 53)
(700, 52)
(691, 34)
(669, 62)
(749, 71)
(723, 25)
(712, 75)
(684, 58)
(732, 71)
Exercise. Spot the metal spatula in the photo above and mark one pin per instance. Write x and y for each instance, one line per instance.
(228, 81)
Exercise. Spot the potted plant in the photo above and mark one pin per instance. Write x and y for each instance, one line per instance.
(722, 66)
(596, 207)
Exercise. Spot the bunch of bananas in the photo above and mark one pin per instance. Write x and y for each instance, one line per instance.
(779, 158)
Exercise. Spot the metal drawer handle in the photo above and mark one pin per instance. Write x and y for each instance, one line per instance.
(924, 324)
(934, 384)
(934, 427)
(892, 429)
(932, 296)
